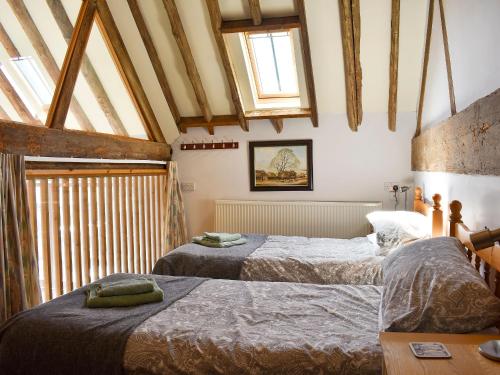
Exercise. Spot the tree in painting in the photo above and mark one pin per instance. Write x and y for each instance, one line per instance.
(284, 161)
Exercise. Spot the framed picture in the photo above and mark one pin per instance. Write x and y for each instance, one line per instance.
(281, 165)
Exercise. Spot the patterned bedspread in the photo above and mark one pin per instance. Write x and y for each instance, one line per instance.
(234, 327)
(314, 260)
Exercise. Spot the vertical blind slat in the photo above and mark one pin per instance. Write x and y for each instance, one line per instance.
(93, 228)
(123, 224)
(66, 236)
(101, 227)
(75, 232)
(130, 226)
(109, 227)
(55, 238)
(135, 181)
(84, 229)
(45, 240)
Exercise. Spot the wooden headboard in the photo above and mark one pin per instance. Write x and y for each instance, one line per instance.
(486, 261)
(431, 210)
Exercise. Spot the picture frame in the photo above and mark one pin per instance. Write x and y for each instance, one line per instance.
(281, 165)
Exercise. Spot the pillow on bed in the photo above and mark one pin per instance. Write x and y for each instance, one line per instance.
(430, 286)
(395, 228)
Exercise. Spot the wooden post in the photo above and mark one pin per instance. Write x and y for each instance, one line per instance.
(437, 216)
(307, 61)
(417, 200)
(122, 59)
(155, 59)
(455, 217)
(393, 70)
(255, 11)
(451, 90)
(64, 24)
(430, 18)
(187, 56)
(46, 57)
(216, 21)
(74, 55)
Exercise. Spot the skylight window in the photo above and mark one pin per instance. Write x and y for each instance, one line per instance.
(28, 69)
(273, 64)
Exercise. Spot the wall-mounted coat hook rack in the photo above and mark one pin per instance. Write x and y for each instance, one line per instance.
(209, 146)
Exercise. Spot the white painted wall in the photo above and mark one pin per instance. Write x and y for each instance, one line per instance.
(347, 166)
(474, 39)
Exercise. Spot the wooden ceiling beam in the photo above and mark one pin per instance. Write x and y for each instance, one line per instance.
(87, 69)
(277, 124)
(451, 89)
(216, 21)
(267, 24)
(263, 114)
(155, 59)
(428, 34)
(18, 138)
(255, 11)
(7, 43)
(349, 24)
(307, 61)
(16, 101)
(393, 67)
(127, 71)
(75, 53)
(3, 114)
(187, 56)
(48, 61)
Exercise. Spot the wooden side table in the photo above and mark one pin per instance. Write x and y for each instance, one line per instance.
(465, 357)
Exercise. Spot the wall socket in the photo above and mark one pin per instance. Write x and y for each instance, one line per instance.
(188, 186)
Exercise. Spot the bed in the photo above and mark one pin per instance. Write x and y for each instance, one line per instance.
(208, 326)
(293, 259)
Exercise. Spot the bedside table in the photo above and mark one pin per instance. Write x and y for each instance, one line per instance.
(465, 358)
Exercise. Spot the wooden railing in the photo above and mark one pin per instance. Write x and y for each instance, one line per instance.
(91, 223)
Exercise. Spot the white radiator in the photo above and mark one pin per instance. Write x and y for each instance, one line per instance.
(300, 218)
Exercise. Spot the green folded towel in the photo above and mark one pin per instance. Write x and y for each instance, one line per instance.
(222, 237)
(125, 287)
(93, 300)
(211, 243)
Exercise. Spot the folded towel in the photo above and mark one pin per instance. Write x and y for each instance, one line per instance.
(125, 287)
(93, 300)
(223, 237)
(211, 243)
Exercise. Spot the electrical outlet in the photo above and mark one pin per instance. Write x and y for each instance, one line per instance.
(187, 186)
(388, 186)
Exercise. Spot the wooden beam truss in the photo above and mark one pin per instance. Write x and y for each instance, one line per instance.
(155, 59)
(16, 101)
(393, 68)
(266, 24)
(255, 11)
(87, 69)
(451, 89)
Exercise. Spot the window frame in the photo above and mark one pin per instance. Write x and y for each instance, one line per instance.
(255, 71)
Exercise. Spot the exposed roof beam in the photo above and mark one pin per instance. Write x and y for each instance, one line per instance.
(263, 114)
(3, 114)
(267, 24)
(7, 43)
(278, 124)
(74, 56)
(187, 56)
(129, 75)
(393, 68)
(88, 70)
(451, 90)
(428, 34)
(199, 122)
(216, 21)
(46, 57)
(350, 27)
(16, 101)
(307, 61)
(17, 138)
(155, 59)
(255, 11)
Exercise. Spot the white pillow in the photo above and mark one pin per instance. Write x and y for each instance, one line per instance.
(395, 228)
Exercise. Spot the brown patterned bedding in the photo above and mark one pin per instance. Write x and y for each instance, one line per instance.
(235, 327)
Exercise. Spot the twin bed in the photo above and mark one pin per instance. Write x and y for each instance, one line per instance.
(222, 326)
(301, 259)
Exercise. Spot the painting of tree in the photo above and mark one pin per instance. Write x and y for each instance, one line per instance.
(281, 165)
(284, 160)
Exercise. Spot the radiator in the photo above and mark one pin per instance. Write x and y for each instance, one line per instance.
(295, 218)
